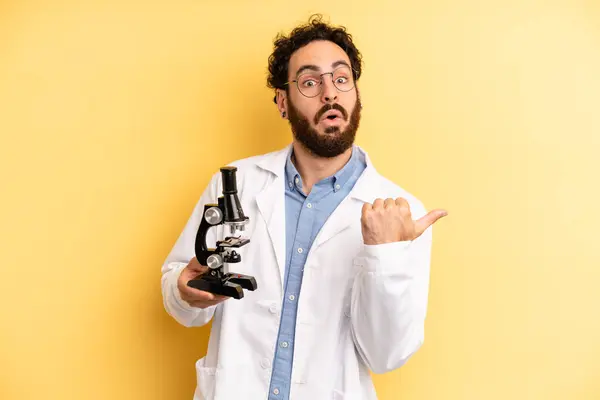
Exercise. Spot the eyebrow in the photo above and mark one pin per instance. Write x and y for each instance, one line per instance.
(315, 68)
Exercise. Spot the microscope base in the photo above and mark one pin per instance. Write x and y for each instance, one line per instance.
(230, 284)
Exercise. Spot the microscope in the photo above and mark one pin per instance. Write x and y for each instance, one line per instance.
(227, 211)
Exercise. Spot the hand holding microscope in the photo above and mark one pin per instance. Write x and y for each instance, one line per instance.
(227, 211)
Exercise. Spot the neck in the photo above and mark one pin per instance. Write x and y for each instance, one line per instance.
(312, 168)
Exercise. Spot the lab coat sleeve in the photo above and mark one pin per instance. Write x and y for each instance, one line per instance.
(180, 255)
(389, 301)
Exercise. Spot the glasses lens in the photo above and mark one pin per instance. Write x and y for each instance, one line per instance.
(343, 79)
(310, 85)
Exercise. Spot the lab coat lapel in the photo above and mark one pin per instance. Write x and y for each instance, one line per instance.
(349, 211)
(271, 205)
(342, 218)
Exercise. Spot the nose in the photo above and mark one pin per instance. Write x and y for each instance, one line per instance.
(329, 93)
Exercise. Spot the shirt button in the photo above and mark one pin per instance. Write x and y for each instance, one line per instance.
(265, 363)
(273, 308)
(300, 250)
(337, 187)
(309, 205)
(292, 297)
(275, 391)
(297, 180)
(284, 344)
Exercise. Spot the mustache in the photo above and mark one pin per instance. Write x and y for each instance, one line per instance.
(328, 107)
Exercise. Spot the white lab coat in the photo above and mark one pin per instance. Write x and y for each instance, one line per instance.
(360, 308)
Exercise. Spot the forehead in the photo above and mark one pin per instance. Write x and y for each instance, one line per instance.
(320, 53)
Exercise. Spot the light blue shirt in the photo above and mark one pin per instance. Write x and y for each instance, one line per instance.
(305, 215)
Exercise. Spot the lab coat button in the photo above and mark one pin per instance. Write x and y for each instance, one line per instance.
(265, 363)
(273, 308)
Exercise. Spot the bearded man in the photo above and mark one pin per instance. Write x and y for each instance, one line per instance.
(340, 254)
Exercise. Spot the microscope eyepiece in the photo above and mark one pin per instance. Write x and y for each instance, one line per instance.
(230, 201)
(228, 174)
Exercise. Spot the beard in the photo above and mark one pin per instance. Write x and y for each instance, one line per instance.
(334, 141)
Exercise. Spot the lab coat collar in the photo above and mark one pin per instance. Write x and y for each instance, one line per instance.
(275, 163)
(271, 204)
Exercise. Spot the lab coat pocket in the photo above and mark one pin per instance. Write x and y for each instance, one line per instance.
(206, 377)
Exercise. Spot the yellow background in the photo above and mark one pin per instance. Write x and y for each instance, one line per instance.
(114, 114)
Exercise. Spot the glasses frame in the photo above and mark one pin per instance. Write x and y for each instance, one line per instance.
(354, 73)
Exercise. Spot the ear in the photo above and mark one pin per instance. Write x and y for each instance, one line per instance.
(281, 101)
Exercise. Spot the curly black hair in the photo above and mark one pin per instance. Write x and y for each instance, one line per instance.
(315, 29)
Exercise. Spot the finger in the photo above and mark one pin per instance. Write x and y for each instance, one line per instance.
(198, 272)
(366, 208)
(388, 203)
(425, 222)
(403, 207)
(193, 294)
(217, 299)
(378, 204)
(187, 275)
(196, 267)
(401, 202)
(191, 300)
(204, 304)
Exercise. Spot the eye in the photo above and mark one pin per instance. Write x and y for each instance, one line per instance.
(309, 83)
(341, 79)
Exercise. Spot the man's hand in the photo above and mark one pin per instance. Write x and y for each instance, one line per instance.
(391, 221)
(195, 297)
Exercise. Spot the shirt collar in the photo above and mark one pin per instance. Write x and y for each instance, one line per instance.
(292, 176)
(337, 180)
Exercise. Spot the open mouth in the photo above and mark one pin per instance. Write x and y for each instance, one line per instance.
(332, 115)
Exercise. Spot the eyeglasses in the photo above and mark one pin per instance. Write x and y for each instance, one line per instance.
(310, 84)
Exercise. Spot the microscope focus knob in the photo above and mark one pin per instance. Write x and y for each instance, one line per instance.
(214, 261)
(213, 215)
